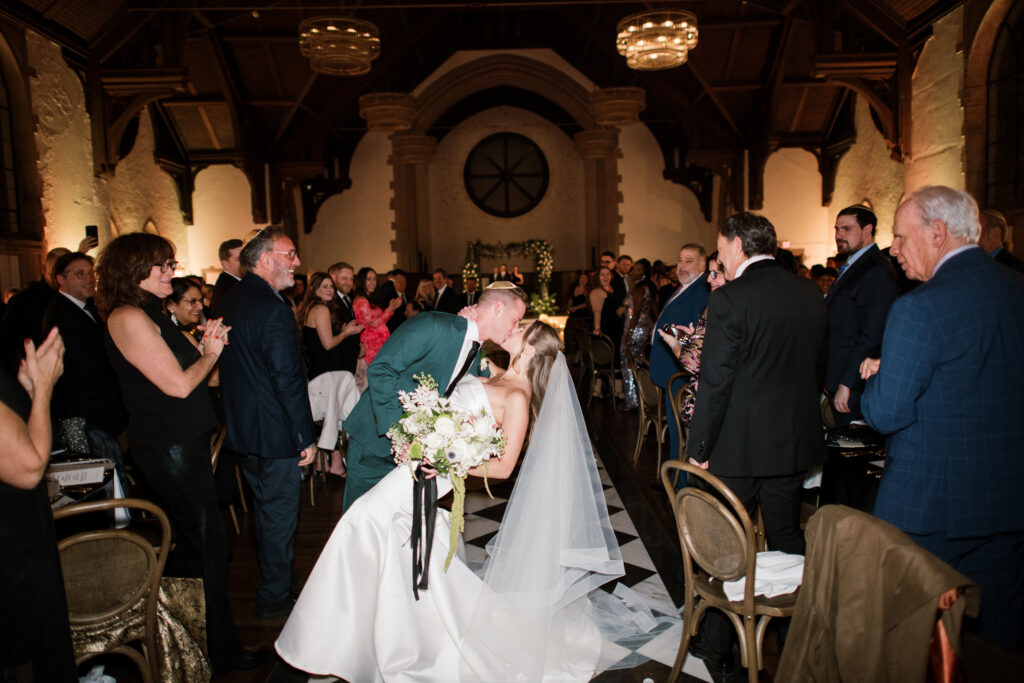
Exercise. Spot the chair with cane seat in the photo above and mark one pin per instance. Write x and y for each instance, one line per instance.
(602, 352)
(112, 576)
(216, 446)
(721, 540)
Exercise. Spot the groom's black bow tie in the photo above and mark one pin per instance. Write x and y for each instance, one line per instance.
(470, 358)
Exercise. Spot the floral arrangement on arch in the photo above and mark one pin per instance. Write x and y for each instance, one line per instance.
(541, 302)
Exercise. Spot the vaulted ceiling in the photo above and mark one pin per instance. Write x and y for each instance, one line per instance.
(227, 83)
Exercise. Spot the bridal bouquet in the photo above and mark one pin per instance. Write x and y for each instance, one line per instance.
(452, 440)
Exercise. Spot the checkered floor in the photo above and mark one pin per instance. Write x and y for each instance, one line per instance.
(483, 517)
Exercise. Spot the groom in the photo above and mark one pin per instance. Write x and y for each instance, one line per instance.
(441, 345)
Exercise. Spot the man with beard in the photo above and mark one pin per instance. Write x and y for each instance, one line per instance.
(263, 379)
(857, 305)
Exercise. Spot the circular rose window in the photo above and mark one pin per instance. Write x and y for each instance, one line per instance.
(506, 175)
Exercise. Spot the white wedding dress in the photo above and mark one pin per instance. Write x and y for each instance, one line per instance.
(523, 617)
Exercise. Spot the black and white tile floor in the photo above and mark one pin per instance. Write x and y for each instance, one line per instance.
(483, 516)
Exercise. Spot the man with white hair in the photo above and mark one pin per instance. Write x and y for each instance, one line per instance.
(949, 393)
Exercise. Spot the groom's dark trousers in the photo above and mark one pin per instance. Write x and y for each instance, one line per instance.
(428, 343)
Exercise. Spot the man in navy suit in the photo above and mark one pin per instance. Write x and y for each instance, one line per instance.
(683, 308)
(263, 378)
(231, 273)
(993, 240)
(949, 391)
(445, 299)
(857, 304)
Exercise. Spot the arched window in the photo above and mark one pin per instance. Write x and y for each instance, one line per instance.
(1005, 171)
(8, 179)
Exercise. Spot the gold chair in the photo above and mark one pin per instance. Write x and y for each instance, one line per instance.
(216, 446)
(109, 574)
(720, 538)
(677, 406)
(652, 409)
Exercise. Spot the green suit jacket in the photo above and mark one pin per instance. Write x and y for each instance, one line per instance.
(429, 343)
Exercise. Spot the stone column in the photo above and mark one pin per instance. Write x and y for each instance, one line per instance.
(599, 149)
(410, 155)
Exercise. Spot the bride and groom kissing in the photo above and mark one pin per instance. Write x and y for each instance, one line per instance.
(523, 615)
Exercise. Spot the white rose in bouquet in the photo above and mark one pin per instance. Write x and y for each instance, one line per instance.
(444, 425)
(433, 441)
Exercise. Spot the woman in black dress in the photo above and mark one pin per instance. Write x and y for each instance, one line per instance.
(34, 630)
(163, 377)
(321, 333)
(581, 317)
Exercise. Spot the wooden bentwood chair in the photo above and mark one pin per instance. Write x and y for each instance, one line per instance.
(721, 539)
(112, 576)
(652, 409)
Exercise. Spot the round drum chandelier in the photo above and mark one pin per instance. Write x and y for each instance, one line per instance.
(658, 39)
(339, 46)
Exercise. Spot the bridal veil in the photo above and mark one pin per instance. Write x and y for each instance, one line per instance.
(532, 619)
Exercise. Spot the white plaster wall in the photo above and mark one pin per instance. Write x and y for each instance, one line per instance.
(142, 193)
(356, 225)
(658, 216)
(221, 210)
(937, 141)
(792, 202)
(455, 220)
(72, 196)
(866, 172)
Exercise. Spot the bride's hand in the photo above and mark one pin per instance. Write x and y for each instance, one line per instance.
(427, 469)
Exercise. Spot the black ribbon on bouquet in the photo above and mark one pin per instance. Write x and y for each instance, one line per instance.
(424, 512)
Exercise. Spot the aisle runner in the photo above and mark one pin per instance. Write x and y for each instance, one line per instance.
(483, 516)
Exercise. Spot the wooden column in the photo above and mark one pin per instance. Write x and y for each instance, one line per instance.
(410, 155)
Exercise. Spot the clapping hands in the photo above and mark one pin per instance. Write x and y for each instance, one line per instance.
(215, 336)
(42, 367)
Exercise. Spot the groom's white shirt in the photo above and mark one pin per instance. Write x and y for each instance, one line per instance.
(472, 335)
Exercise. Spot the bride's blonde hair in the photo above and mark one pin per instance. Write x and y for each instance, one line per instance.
(544, 340)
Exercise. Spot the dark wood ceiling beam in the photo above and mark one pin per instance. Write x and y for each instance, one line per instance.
(287, 120)
(350, 89)
(798, 112)
(55, 8)
(924, 21)
(722, 111)
(22, 16)
(121, 28)
(869, 66)
(879, 18)
(275, 74)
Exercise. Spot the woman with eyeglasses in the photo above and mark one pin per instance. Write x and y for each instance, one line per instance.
(687, 348)
(163, 379)
(185, 306)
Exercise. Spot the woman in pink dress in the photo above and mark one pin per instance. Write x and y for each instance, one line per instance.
(371, 313)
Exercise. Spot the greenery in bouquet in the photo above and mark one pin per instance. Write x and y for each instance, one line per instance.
(452, 440)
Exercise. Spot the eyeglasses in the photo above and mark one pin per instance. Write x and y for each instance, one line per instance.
(713, 274)
(291, 253)
(193, 302)
(166, 266)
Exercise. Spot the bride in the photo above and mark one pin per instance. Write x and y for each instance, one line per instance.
(524, 615)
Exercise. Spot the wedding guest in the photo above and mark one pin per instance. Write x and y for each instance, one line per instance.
(600, 291)
(372, 313)
(185, 306)
(470, 296)
(517, 277)
(395, 287)
(266, 403)
(25, 310)
(344, 276)
(687, 348)
(425, 295)
(34, 633)
(501, 273)
(445, 301)
(163, 375)
(231, 273)
(322, 333)
(581, 317)
(639, 319)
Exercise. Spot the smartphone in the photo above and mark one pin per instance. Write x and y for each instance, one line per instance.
(92, 231)
(671, 329)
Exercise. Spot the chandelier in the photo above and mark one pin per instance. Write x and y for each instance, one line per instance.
(339, 46)
(658, 39)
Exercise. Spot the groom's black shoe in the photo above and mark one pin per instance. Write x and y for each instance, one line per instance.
(275, 610)
(244, 660)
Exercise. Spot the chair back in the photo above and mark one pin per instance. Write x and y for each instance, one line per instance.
(646, 388)
(602, 351)
(109, 572)
(217, 444)
(715, 530)
(585, 383)
(676, 398)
